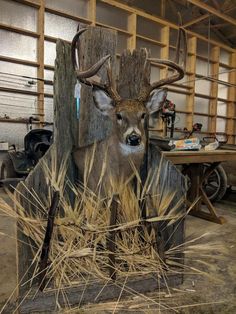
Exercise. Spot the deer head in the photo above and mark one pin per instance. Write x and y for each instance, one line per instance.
(128, 115)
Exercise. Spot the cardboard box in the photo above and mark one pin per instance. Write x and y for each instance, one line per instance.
(4, 146)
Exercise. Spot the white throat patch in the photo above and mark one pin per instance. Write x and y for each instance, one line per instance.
(127, 149)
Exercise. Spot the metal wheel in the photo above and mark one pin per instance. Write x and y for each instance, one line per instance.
(216, 184)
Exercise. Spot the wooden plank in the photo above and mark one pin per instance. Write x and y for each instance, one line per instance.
(215, 55)
(132, 28)
(213, 11)
(181, 157)
(30, 3)
(139, 12)
(170, 180)
(196, 20)
(154, 41)
(23, 121)
(194, 173)
(191, 67)
(95, 43)
(231, 124)
(92, 11)
(18, 91)
(165, 37)
(67, 15)
(19, 30)
(40, 59)
(65, 137)
(95, 292)
(18, 61)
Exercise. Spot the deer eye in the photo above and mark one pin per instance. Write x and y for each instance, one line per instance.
(119, 116)
(143, 116)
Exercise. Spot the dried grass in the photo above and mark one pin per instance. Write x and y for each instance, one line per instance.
(78, 253)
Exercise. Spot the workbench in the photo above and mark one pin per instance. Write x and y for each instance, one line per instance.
(193, 162)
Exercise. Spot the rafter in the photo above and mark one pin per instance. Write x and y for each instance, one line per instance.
(213, 11)
(196, 20)
(216, 4)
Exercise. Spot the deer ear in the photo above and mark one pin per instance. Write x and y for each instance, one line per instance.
(103, 101)
(155, 100)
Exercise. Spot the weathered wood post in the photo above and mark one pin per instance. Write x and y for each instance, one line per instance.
(65, 138)
(95, 43)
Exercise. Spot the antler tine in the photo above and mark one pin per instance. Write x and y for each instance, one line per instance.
(179, 71)
(111, 88)
(84, 75)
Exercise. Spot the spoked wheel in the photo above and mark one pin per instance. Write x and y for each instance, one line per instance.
(216, 185)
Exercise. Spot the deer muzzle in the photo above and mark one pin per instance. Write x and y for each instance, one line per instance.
(133, 139)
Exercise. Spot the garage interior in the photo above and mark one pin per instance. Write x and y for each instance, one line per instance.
(202, 106)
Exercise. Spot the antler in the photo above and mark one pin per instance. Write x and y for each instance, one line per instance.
(84, 76)
(178, 74)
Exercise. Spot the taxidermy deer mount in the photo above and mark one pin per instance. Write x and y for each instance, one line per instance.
(115, 157)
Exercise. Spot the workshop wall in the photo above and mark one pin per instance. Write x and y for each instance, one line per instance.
(28, 33)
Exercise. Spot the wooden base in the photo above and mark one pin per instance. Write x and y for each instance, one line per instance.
(45, 302)
(201, 214)
(197, 177)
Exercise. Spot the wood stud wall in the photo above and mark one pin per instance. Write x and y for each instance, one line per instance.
(132, 37)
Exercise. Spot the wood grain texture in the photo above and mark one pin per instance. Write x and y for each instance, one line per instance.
(95, 292)
(65, 137)
(95, 43)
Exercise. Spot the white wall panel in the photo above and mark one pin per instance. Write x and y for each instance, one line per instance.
(60, 27)
(178, 99)
(220, 125)
(18, 15)
(180, 122)
(203, 48)
(224, 74)
(221, 108)
(13, 133)
(203, 87)
(222, 91)
(17, 46)
(48, 104)
(202, 67)
(148, 28)
(17, 105)
(201, 105)
(10, 76)
(155, 74)
(49, 53)
(111, 16)
(173, 36)
(155, 50)
(48, 75)
(203, 120)
(224, 56)
(74, 7)
(19, 69)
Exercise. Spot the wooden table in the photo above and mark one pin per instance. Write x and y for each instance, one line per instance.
(193, 161)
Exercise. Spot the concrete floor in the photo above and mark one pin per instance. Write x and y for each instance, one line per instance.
(195, 289)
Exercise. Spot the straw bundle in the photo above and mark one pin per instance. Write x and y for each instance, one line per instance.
(78, 252)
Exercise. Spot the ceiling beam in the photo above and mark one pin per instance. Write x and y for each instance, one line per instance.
(216, 4)
(196, 20)
(213, 11)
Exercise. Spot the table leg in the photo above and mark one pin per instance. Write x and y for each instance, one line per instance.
(197, 177)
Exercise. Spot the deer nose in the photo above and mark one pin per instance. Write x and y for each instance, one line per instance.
(133, 139)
